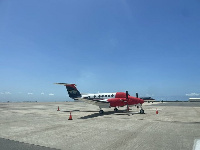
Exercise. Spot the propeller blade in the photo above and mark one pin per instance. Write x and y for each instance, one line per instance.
(127, 108)
(137, 95)
(127, 100)
(126, 95)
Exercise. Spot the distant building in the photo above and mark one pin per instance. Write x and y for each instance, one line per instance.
(194, 99)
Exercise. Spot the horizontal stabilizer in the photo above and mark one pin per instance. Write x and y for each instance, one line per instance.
(63, 83)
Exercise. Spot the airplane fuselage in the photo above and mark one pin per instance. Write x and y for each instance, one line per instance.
(104, 100)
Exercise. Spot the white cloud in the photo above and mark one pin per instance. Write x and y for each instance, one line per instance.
(51, 94)
(30, 93)
(192, 94)
(42, 93)
(7, 93)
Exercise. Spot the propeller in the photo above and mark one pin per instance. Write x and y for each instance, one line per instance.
(127, 100)
(126, 95)
(137, 95)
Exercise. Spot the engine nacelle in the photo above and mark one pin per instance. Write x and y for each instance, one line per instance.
(114, 102)
(120, 95)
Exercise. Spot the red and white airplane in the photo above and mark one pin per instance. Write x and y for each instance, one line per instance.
(105, 100)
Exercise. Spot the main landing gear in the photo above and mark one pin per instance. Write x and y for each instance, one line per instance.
(101, 111)
(115, 109)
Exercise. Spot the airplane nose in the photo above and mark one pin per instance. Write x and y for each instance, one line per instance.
(141, 101)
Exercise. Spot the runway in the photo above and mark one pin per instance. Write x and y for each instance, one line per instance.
(176, 126)
(7, 144)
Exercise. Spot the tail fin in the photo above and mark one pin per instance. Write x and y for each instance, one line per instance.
(72, 90)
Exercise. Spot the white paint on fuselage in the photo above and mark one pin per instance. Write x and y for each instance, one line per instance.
(99, 99)
(99, 96)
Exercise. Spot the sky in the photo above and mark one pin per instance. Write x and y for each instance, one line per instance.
(149, 47)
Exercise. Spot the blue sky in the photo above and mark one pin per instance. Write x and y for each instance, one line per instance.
(149, 47)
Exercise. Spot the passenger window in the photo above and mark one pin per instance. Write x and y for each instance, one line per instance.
(108, 95)
(105, 95)
(102, 96)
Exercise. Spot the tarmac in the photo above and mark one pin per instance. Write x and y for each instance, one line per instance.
(38, 126)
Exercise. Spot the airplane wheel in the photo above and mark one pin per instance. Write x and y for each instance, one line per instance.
(101, 111)
(142, 111)
(115, 109)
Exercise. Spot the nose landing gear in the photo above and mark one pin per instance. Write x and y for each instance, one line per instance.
(141, 111)
(115, 109)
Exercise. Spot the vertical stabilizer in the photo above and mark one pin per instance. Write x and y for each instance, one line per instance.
(72, 90)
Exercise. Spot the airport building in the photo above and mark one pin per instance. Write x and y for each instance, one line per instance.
(194, 99)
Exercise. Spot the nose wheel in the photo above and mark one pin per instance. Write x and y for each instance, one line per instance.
(141, 110)
(115, 109)
(101, 111)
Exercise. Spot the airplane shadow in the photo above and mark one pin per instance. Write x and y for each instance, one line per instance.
(81, 111)
(97, 115)
(70, 110)
(119, 112)
(106, 113)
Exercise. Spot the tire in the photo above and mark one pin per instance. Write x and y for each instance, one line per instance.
(101, 111)
(142, 111)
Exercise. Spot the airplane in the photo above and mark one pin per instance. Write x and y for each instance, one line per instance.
(105, 100)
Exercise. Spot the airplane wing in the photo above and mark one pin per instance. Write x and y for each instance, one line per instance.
(103, 103)
(92, 100)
